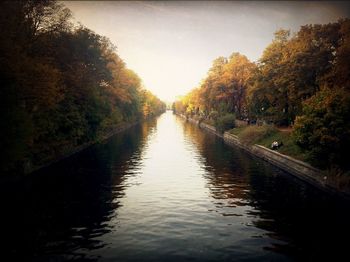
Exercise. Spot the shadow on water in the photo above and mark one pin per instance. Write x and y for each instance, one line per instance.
(313, 224)
(59, 212)
(155, 195)
(302, 222)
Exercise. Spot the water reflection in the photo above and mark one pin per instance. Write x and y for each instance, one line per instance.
(227, 176)
(299, 221)
(165, 190)
(61, 211)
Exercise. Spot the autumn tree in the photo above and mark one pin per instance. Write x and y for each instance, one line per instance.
(237, 74)
(62, 86)
(268, 93)
(339, 75)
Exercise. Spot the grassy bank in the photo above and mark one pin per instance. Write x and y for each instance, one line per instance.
(265, 135)
(337, 180)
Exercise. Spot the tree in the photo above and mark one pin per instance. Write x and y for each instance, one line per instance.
(340, 76)
(238, 72)
(61, 86)
(324, 128)
(268, 90)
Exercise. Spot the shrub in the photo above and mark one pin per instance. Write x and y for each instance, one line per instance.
(213, 114)
(225, 122)
(324, 128)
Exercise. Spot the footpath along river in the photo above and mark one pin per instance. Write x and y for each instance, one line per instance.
(165, 190)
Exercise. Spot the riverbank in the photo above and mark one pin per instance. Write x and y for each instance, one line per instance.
(297, 168)
(30, 168)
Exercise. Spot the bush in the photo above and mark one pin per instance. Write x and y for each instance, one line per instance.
(213, 115)
(225, 122)
(324, 128)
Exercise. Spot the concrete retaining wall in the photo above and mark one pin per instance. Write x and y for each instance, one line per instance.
(289, 164)
(209, 128)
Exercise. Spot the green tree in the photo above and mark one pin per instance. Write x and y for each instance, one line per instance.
(61, 86)
(268, 90)
(324, 128)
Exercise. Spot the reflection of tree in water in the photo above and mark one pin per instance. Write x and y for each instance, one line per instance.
(64, 209)
(228, 170)
(311, 221)
(301, 221)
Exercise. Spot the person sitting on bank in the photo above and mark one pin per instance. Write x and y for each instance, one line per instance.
(275, 145)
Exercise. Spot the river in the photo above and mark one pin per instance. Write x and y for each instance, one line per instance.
(166, 190)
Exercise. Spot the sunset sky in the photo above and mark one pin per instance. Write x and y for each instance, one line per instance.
(172, 44)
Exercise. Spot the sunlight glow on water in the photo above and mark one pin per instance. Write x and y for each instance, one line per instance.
(170, 208)
(168, 191)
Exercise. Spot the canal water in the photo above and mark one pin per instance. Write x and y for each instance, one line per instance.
(166, 190)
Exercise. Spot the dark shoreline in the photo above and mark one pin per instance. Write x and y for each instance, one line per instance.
(79, 148)
(30, 168)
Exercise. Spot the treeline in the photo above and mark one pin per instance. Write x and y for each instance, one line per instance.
(301, 80)
(61, 85)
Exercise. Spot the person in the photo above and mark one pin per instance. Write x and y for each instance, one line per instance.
(274, 145)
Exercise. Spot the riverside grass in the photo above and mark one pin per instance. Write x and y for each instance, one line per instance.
(265, 135)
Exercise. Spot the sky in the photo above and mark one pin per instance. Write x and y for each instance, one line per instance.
(171, 44)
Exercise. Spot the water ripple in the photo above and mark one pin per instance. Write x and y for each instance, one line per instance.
(167, 191)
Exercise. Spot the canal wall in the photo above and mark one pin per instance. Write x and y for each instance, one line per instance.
(297, 168)
(201, 125)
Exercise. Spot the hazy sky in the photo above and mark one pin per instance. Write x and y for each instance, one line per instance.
(172, 44)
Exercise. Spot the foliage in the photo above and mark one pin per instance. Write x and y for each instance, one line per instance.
(213, 115)
(225, 122)
(62, 86)
(265, 135)
(292, 69)
(223, 91)
(324, 128)
(282, 88)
